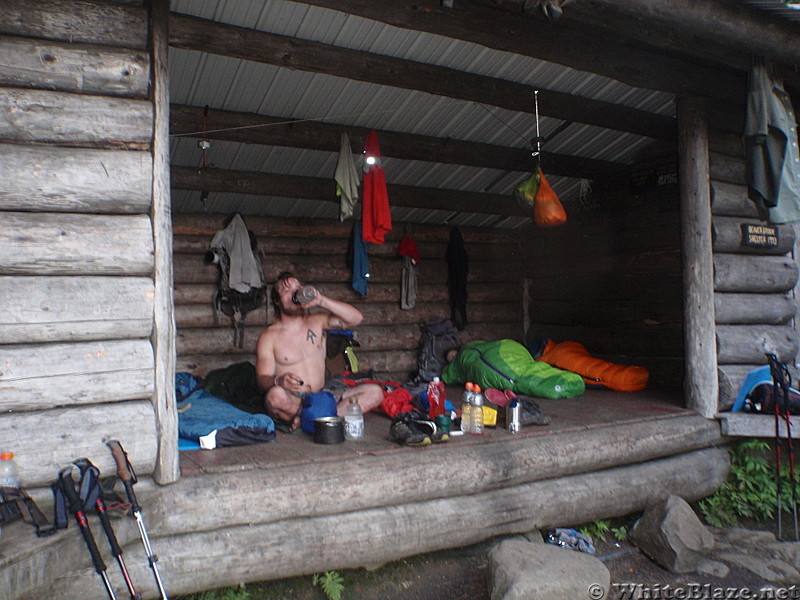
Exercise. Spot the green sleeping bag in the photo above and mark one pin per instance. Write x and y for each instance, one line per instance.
(505, 364)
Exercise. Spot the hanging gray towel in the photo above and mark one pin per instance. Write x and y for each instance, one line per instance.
(346, 176)
(408, 284)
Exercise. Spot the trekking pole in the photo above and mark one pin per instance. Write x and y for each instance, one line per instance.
(116, 550)
(128, 477)
(785, 384)
(775, 371)
(75, 506)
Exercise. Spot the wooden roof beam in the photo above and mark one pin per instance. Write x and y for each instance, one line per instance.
(249, 128)
(202, 35)
(600, 52)
(319, 188)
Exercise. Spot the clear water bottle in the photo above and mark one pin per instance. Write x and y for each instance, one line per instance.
(476, 424)
(8, 470)
(466, 407)
(304, 295)
(353, 421)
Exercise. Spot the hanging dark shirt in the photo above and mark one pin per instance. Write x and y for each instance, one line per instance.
(457, 270)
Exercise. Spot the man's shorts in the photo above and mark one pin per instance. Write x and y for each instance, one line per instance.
(336, 386)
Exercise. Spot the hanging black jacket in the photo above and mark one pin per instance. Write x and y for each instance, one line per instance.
(457, 269)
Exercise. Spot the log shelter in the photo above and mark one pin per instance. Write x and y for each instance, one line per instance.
(108, 202)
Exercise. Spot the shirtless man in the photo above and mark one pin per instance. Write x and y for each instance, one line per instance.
(290, 354)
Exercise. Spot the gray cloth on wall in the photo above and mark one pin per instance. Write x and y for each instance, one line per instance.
(408, 284)
(773, 162)
(245, 269)
(347, 179)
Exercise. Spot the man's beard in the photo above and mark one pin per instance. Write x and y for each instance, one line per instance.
(293, 310)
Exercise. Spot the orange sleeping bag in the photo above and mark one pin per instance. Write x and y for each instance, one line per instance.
(572, 356)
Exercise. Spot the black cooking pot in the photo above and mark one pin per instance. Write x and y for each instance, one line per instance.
(329, 430)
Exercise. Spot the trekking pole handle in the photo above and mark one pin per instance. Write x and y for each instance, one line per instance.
(68, 486)
(124, 472)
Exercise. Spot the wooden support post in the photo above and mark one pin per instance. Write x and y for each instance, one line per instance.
(700, 384)
(167, 469)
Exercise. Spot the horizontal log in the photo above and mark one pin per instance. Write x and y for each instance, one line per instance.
(767, 309)
(730, 379)
(726, 168)
(266, 227)
(650, 287)
(300, 546)
(52, 179)
(73, 244)
(251, 128)
(308, 490)
(754, 274)
(726, 142)
(665, 260)
(81, 431)
(52, 309)
(192, 269)
(45, 117)
(318, 188)
(625, 313)
(746, 344)
(399, 337)
(193, 33)
(73, 67)
(36, 377)
(726, 233)
(429, 251)
(199, 315)
(203, 293)
(93, 22)
(647, 340)
(730, 200)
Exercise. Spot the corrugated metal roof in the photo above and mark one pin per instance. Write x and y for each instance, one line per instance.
(226, 83)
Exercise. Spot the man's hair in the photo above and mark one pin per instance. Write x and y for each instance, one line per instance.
(274, 295)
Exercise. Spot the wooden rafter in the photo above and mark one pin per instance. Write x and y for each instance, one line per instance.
(193, 33)
(249, 128)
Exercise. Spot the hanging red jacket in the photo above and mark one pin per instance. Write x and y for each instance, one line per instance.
(376, 216)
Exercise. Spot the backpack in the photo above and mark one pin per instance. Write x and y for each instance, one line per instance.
(248, 289)
(439, 336)
(339, 354)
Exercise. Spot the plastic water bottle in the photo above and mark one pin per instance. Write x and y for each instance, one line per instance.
(466, 408)
(353, 421)
(8, 470)
(476, 424)
(304, 295)
(436, 394)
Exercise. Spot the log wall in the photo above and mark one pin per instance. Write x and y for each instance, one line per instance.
(316, 250)
(76, 235)
(754, 302)
(610, 278)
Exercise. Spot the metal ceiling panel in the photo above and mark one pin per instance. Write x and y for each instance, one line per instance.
(201, 79)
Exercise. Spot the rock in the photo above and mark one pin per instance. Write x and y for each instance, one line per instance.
(714, 568)
(737, 537)
(534, 536)
(773, 570)
(521, 570)
(786, 551)
(671, 534)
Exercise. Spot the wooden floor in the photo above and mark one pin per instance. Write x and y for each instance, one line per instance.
(595, 408)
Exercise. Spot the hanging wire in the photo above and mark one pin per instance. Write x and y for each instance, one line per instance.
(538, 153)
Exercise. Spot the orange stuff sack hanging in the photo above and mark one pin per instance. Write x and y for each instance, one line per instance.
(572, 356)
(547, 208)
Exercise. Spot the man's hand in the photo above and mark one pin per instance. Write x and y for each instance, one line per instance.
(290, 382)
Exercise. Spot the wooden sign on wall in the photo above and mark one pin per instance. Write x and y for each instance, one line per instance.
(759, 236)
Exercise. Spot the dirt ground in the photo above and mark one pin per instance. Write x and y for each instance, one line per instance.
(463, 574)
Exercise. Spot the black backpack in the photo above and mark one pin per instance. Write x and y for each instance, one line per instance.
(439, 336)
(231, 302)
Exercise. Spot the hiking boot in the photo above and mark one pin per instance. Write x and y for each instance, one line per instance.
(406, 433)
(531, 414)
(436, 433)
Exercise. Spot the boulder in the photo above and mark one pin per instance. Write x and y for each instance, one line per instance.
(671, 534)
(522, 570)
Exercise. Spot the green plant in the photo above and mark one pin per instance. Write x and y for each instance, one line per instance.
(750, 490)
(229, 593)
(331, 582)
(596, 530)
(620, 533)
